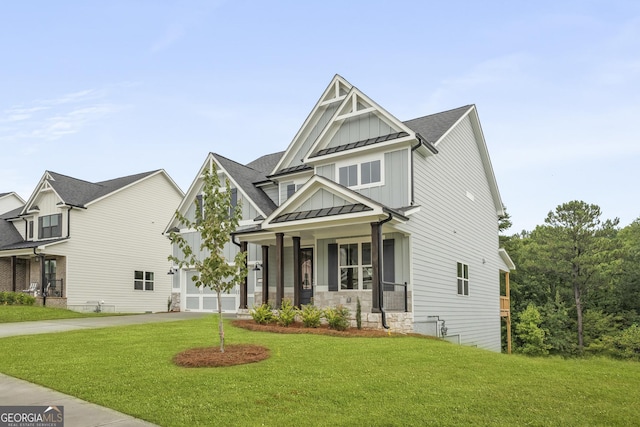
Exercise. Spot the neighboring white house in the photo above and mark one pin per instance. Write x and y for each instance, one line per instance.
(401, 215)
(92, 245)
(9, 202)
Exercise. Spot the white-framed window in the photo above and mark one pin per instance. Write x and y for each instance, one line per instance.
(143, 280)
(288, 189)
(362, 174)
(463, 279)
(354, 265)
(50, 226)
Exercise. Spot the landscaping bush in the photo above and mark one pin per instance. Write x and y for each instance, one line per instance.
(337, 318)
(624, 345)
(311, 316)
(358, 314)
(262, 314)
(529, 333)
(16, 298)
(287, 313)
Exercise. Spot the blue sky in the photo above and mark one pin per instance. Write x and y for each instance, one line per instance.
(97, 90)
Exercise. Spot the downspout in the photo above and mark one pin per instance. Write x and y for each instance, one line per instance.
(413, 192)
(381, 271)
(69, 221)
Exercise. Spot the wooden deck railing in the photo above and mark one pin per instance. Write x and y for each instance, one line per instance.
(505, 306)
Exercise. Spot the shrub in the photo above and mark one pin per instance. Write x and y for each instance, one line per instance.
(337, 318)
(311, 316)
(530, 334)
(358, 314)
(625, 344)
(262, 314)
(287, 313)
(16, 298)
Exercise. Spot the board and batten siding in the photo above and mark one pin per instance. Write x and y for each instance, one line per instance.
(457, 223)
(324, 115)
(322, 199)
(395, 192)
(116, 236)
(360, 128)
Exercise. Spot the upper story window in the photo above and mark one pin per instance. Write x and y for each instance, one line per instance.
(288, 189)
(50, 226)
(362, 174)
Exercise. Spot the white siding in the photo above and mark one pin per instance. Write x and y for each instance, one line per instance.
(451, 228)
(116, 236)
(272, 192)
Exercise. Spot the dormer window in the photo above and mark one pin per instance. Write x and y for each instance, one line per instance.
(50, 226)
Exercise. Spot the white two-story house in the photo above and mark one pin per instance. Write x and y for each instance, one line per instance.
(400, 215)
(91, 245)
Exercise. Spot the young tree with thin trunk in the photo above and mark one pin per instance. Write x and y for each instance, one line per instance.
(215, 220)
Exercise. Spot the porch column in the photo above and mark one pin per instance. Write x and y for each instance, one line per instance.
(265, 274)
(43, 279)
(375, 267)
(243, 287)
(14, 266)
(279, 269)
(297, 273)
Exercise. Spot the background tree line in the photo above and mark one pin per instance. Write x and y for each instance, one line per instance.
(576, 289)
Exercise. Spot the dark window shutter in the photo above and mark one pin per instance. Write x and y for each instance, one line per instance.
(389, 263)
(234, 197)
(40, 228)
(199, 207)
(332, 263)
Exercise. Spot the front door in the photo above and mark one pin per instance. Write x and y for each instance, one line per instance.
(306, 271)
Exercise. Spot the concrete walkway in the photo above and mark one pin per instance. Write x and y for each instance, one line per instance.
(77, 413)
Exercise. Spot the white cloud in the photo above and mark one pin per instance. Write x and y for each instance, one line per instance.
(50, 119)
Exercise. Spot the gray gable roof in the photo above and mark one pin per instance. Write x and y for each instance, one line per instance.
(266, 163)
(77, 192)
(433, 126)
(245, 176)
(8, 233)
(3, 194)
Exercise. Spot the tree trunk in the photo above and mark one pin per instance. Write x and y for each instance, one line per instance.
(220, 326)
(576, 294)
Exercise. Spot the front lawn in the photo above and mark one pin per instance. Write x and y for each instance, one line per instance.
(26, 313)
(320, 380)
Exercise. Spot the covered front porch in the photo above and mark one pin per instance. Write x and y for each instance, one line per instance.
(333, 260)
(28, 268)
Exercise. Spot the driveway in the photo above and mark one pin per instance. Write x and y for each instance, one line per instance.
(61, 325)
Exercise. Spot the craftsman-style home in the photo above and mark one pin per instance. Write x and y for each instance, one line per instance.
(400, 215)
(91, 246)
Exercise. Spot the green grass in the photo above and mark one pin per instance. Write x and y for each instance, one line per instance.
(318, 380)
(26, 313)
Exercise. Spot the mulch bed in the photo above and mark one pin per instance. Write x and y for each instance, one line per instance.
(298, 328)
(208, 357)
(240, 354)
